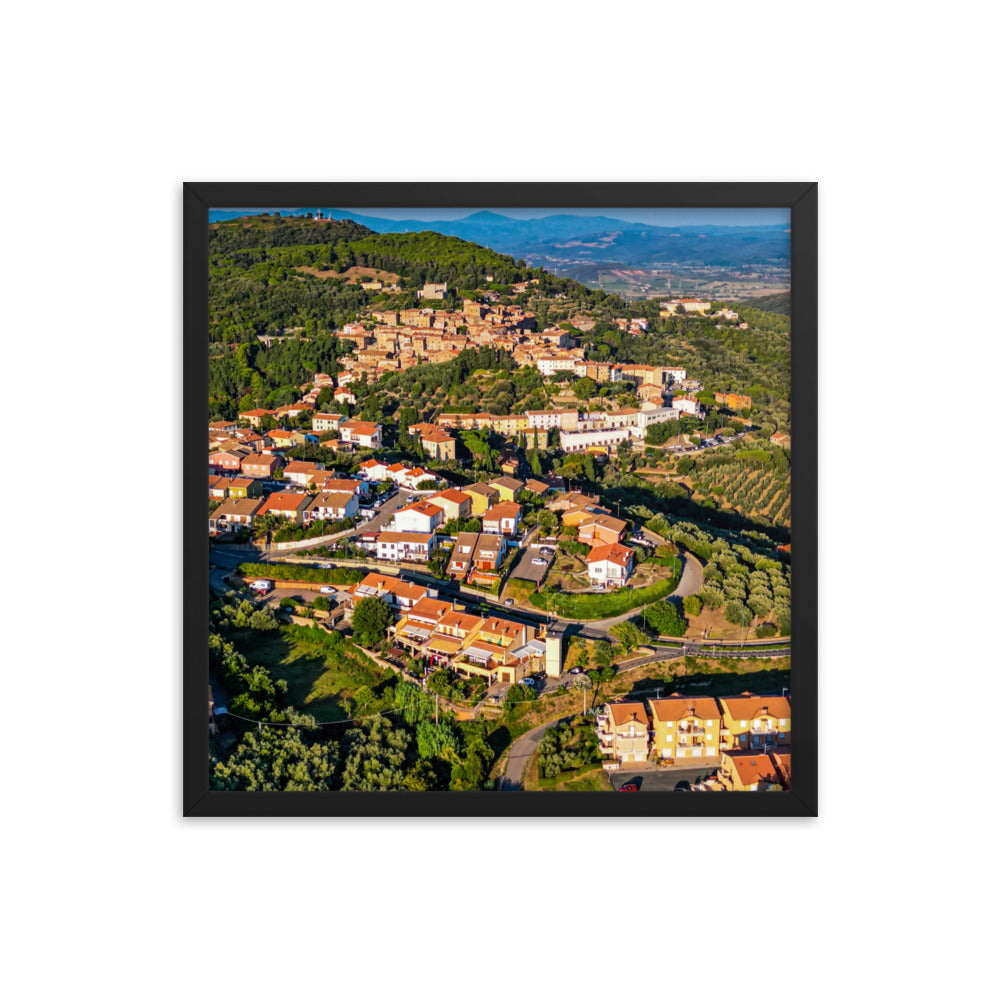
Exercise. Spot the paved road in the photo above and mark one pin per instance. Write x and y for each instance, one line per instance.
(520, 751)
(380, 521)
(692, 578)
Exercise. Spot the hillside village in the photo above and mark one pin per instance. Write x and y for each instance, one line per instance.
(520, 551)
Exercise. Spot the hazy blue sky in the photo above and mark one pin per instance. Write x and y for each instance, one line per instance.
(655, 216)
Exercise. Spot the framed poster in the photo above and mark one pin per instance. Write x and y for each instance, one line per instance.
(500, 499)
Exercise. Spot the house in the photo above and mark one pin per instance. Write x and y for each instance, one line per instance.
(685, 727)
(227, 427)
(327, 421)
(536, 487)
(234, 513)
(454, 503)
(503, 519)
(260, 466)
(422, 517)
(431, 290)
(483, 497)
(228, 461)
(254, 417)
(623, 732)
(487, 558)
(363, 433)
(291, 411)
(438, 445)
(450, 636)
(753, 772)
(601, 529)
(781, 439)
(461, 554)
(395, 592)
(405, 545)
(344, 395)
(688, 404)
(301, 473)
(244, 487)
(281, 438)
(610, 565)
(218, 487)
(358, 486)
(288, 505)
(573, 517)
(752, 722)
(332, 506)
(735, 401)
(374, 470)
(507, 487)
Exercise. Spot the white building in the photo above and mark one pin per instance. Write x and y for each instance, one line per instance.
(571, 441)
(421, 517)
(405, 545)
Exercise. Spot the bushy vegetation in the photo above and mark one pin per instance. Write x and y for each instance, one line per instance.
(566, 747)
(307, 574)
(609, 605)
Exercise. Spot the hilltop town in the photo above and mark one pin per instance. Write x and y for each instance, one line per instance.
(497, 490)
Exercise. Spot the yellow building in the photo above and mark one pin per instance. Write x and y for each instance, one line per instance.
(685, 727)
(623, 731)
(753, 772)
(483, 497)
(507, 487)
(756, 723)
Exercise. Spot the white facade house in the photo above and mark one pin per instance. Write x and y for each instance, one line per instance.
(421, 518)
(571, 441)
(405, 545)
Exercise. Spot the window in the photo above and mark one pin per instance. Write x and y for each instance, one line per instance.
(670, 725)
(709, 722)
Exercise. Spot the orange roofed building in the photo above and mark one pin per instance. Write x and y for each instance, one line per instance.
(623, 732)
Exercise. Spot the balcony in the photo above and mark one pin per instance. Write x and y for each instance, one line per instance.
(691, 731)
(606, 748)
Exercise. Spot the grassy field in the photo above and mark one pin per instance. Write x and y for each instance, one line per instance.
(589, 778)
(320, 674)
(590, 606)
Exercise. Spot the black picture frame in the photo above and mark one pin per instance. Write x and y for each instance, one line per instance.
(799, 197)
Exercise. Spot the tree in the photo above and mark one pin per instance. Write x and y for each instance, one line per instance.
(584, 388)
(535, 462)
(372, 618)
(602, 653)
(692, 605)
(277, 759)
(375, 755)
(628, 635)
(321, 603)
(664, 618)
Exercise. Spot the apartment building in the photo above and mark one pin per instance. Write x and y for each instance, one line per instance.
(623, 732)
(685, 727)
(756, 723)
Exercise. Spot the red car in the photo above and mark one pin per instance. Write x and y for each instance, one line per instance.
(629, 786)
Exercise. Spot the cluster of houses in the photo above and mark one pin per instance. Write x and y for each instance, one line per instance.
(747, 735)
(443, 634)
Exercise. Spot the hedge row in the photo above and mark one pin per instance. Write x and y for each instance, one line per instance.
(284, 571)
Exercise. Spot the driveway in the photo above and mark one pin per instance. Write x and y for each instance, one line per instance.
(692, 578)
(664, 779)
(520, 751)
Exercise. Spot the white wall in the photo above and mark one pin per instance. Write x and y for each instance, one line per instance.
(117, 104)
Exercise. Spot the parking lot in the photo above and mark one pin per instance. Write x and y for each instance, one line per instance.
(526, 568)
(665, 779)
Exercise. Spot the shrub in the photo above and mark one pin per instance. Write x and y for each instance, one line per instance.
(692, 605)
(321, 603)
(765, 630)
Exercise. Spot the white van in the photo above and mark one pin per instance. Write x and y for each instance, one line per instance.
(261, 586)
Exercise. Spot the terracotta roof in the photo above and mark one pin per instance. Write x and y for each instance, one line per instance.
(503, 627)
(284, 501)
(754, 767)
(675, 708)
(238, 506)
(342, 485)
(618, 554)
(456, 619)
(429, 608)
(629, 711)
(296, 467)
(423, 507)
(404, 536)
(482, 489)
(364, 427)
(240, 483)
(506, 509)
(455, 496)
(508, 483)
(748, 706)
(330, 499)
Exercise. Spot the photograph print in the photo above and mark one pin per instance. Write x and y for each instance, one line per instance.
(500, 500)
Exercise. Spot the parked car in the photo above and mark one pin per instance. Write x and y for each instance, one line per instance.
(538, 562)
(629, 786)
(577, 670)
(509, 602)
(327, 590)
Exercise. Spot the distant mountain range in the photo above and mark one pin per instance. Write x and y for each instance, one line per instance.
(557, 240)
